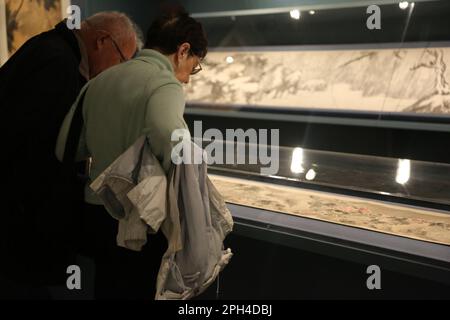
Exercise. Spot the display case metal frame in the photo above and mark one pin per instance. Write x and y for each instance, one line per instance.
(408, 256)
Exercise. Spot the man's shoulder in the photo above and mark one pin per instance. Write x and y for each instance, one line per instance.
(53, 44)
(41, 56)
(48, 46)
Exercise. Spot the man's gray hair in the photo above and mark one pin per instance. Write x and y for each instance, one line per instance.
(119, 24)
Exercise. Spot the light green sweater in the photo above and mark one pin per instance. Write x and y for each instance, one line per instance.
(141, 96)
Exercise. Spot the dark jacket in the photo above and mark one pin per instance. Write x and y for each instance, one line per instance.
(38, 85)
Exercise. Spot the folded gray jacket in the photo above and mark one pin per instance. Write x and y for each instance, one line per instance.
(186, 206)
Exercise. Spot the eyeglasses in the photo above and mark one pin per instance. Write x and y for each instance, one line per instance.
(122, 57)
(197, 69)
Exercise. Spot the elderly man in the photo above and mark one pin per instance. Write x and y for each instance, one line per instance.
(38, 85)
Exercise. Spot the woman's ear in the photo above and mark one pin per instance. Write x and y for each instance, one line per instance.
(183, 50)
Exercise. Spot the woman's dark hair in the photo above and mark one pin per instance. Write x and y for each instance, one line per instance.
(173, 28)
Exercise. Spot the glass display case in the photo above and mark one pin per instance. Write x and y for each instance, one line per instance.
(363, 112)
(328, 57)
(396, 196)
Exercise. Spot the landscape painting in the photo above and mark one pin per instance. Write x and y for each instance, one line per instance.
(414, 80)
(399, 220)
(27, 18)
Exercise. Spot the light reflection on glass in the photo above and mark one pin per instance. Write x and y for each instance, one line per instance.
(403, 171)
(295, 14)
(297, 161)
(403, 5)
(310, 175)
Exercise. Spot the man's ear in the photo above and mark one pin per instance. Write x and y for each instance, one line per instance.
(102, 36)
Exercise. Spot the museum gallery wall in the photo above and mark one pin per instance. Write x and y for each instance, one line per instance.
(22, 19)
(387, 80)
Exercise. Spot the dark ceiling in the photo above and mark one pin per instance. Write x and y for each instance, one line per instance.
(429, 21)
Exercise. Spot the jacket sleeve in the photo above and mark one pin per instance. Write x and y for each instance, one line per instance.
(164, 115)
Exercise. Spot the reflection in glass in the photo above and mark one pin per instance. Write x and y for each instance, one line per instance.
(403, 5)
(372, 174)
(403, 171)
(295, 14)
(297, 161)
(310, 175)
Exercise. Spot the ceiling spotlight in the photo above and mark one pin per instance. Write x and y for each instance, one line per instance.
(403, 5)
(229, 59)
(295, 14)
(311, 12)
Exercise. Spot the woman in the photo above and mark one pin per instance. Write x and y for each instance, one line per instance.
(141, 96)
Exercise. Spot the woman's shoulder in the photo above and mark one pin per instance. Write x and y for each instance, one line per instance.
(156, 68)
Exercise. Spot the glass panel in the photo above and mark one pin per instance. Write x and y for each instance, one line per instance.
(403, 178)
